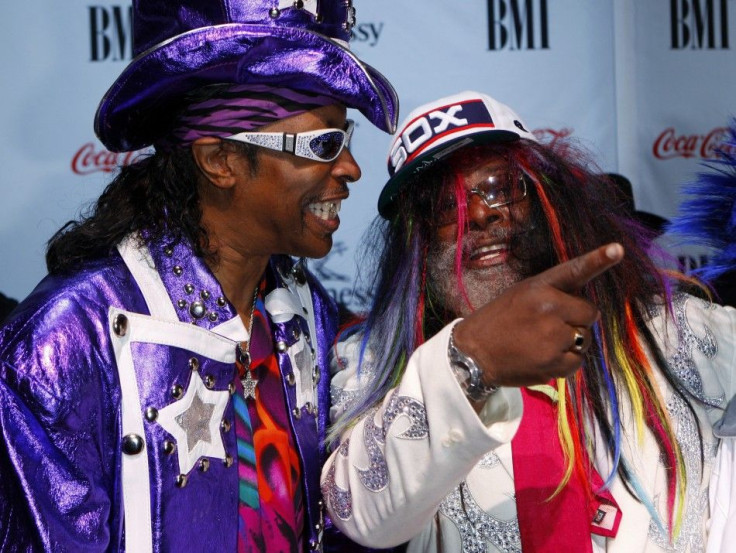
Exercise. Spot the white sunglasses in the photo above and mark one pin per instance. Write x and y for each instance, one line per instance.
(320, 145)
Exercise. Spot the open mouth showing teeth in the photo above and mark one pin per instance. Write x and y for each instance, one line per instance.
(326, 210)
(487, 252)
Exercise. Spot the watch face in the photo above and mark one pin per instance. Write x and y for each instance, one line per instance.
(468, 373)
(459, 367)
(463, 362)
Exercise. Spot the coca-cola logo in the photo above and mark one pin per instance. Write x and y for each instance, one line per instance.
(89, 160)
(552, 137)
(669, 144)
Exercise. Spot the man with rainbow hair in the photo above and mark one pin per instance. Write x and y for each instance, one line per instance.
(526, 377)
(163, 389)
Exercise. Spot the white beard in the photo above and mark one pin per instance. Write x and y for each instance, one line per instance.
(481, 285)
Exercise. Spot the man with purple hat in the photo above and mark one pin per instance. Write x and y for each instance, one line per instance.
(502, 289)
(165, 387)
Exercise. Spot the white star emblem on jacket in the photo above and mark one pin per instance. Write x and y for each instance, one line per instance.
(194, 422)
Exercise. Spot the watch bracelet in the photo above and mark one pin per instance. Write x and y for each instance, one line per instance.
(472, 385)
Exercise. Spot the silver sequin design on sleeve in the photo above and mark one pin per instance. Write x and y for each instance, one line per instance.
(375, 477)
(341, 500)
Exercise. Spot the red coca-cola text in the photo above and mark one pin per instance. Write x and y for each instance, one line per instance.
(670, 145)
(89, 160)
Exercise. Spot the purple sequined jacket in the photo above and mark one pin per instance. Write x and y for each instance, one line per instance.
(96, 366)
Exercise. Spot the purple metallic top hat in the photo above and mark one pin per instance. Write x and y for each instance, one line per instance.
(182, 45)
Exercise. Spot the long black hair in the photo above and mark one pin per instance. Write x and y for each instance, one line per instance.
(157, 194)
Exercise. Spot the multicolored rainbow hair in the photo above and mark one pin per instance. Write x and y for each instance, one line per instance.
(571, 211)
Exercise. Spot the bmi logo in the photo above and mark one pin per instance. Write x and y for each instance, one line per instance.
(699, 24)
(518, 25)
(111, 33)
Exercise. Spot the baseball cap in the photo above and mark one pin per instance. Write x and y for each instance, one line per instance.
(436, 129)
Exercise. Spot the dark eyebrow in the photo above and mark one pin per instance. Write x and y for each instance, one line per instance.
(333, 124)
(339, 121)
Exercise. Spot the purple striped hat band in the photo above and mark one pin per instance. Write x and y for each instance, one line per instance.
(222, 111)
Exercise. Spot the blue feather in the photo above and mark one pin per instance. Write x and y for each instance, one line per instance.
(707, 217)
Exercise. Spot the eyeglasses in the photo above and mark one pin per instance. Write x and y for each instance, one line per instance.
(496, 191)
(320, 145)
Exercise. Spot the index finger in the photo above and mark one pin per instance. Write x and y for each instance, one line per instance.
(572, 275)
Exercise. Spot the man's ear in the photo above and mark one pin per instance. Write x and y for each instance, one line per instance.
(216, 161)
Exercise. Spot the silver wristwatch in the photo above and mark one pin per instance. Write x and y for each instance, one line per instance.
(468, 372)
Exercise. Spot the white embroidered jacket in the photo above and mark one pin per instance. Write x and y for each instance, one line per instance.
(424, 468)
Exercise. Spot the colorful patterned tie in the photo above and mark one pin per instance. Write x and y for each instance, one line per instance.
(271, 512)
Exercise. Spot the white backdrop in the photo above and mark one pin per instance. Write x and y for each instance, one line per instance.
(646, 86)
